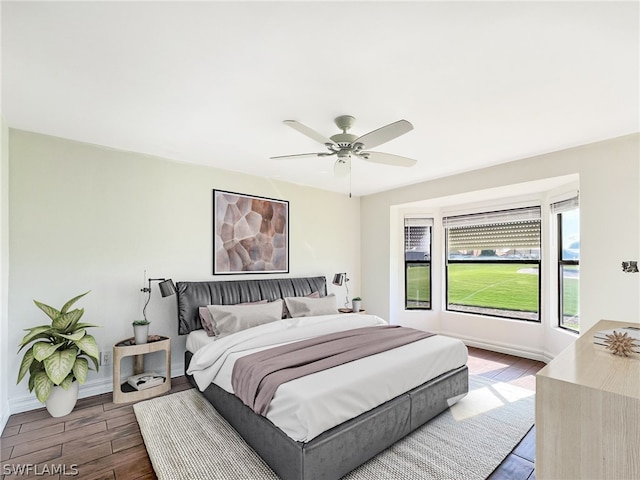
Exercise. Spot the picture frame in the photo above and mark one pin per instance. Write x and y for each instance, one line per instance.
(250, 234)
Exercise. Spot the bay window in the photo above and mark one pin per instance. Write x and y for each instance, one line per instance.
(417, 263)
(493, 263)
(568, 226)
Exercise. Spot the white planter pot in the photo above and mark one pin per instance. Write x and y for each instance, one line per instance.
(140, 333)
(61, 402)
(356, 305)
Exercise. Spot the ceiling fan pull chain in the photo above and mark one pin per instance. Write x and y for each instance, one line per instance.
(349, 178)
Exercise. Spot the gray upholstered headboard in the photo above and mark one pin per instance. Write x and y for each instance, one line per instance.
(192, 295)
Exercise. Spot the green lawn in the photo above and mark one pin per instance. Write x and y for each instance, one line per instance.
(503, 286)
(570, 297)
(570, 293)
(499, 286)
(418, 280)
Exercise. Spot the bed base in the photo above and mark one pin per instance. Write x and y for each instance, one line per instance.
(341, 449)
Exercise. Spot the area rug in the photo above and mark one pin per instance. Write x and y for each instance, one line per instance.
(187, 439)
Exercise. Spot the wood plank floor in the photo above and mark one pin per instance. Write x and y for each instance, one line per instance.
(100, 440)
(519, 465)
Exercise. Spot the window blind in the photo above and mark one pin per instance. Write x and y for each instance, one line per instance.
(506, 229)
(417, 237)
(565, 205)
(418, 222)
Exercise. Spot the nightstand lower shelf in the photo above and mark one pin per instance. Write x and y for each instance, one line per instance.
(125, 393)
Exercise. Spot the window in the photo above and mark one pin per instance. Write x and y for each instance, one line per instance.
(493, 263)
(568, 222)
(417, 263)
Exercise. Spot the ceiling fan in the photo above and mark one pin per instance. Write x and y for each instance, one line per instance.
(345, 145)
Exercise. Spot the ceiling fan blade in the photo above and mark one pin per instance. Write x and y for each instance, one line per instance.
(384, 134)
(300, 155)
(387, 159)
(309, 132)
(342, 167)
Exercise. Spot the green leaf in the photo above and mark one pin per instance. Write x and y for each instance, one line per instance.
(68, 305)
(34, 333)
(80, 369)
(31, 382)
(51, 312)
(73, 326)
(85, 325)
(60, 364)
(74, 337)
(36, 366)
(66, 383)
(66, 319)
(42, 350)
(26, 363)
(88, 345)
(96, 363)
(42, 385)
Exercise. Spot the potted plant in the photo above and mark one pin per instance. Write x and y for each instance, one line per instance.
(356, 304)
(59, 358)
(141, 331)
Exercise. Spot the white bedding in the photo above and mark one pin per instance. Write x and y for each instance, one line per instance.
(306, 407)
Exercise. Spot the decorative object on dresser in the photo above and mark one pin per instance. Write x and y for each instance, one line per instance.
(338, 280)
(59, 358)
(622, 341)
(598, 433)
(250, 234)
(304, 445)
(124, 392)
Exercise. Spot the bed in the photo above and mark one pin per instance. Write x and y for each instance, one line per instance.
(307, 437)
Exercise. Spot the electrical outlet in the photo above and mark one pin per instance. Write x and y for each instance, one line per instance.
(105, 358)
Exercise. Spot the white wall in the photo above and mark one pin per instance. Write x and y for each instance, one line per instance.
(5, 373)
(608, 175)
(84, 218)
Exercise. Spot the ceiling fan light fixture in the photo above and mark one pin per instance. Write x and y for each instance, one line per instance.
(342, 167)
(344, 144)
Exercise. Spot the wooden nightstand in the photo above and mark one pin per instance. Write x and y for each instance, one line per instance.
(124, 393)
(349, 310)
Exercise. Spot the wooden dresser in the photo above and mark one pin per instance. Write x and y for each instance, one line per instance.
(588, 413)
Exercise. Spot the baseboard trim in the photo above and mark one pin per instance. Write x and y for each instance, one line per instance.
(4, 418)
(517, 351)
(29, 402)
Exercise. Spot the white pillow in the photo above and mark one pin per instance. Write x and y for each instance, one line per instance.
(286, 314)
(228, 319)
(207, 321)
(311, 307)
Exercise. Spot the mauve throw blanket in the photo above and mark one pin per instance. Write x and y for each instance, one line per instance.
(257, 376)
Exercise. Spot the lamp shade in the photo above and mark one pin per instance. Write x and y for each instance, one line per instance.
(167, 288)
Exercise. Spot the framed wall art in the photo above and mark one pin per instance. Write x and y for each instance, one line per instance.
(250, 234)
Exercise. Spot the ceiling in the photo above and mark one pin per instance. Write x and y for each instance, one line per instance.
(210, 82)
